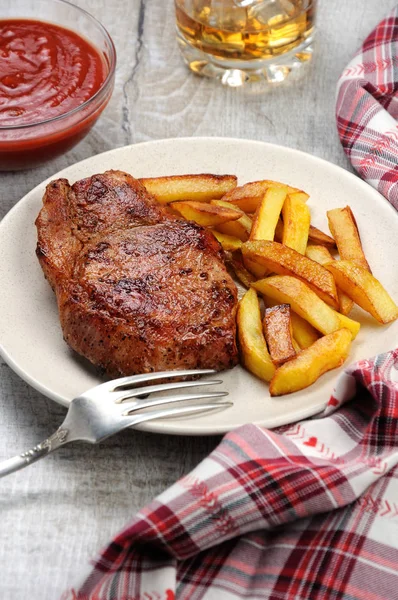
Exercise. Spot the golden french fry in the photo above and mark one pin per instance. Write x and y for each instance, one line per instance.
(347, 323)
(282, 260)
(321, 255)
(239, 228)
(302, 196)
(255, 356)
(329, 352)
(255, 268)
(278, 333)
(249, 196)
(316, 236)
(344, 229)
(364, 289)
(205, 214)
(228, 242)
(296, 223)
(289, 290)
(267, 214)
(200, 188)
(296, 346)
(303, 332)
(244, 276)
(279, 231)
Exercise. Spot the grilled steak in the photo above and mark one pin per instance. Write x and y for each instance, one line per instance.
(138, 289)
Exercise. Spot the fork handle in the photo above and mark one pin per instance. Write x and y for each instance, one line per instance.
(56, 440)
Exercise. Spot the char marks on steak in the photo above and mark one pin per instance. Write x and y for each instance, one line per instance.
(138, 289)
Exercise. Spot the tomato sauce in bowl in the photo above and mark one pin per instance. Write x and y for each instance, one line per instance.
(54, 84)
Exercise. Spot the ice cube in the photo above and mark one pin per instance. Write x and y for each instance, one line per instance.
(270, 11)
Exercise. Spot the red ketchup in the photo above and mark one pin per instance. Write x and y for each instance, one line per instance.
(46, 73)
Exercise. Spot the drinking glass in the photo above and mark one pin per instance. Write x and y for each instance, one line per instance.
(245, 40)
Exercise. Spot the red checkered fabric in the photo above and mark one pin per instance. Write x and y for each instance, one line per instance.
(367, 109)
(308, 511)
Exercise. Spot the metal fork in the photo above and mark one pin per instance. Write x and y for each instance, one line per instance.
(108, 408)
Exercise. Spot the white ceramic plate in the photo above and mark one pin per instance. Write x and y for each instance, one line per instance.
(30, 335)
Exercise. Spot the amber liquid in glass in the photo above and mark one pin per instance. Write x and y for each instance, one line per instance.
(261, 30)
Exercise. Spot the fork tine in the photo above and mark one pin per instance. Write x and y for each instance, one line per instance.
(173, 412)
(125, 382)
(122, 383)
(162, 387)
(129, 407)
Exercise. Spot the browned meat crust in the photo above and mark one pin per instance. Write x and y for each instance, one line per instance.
(138, 289)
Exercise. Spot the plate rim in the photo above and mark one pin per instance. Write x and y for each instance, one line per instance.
(154, 427)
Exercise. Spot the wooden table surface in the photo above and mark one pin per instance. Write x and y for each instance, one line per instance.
(58, 513)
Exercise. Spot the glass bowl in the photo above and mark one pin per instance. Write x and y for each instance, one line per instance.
(26, 146)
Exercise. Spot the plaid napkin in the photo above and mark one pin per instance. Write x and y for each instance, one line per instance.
(367, 109)
(304, 512)
(308, 511)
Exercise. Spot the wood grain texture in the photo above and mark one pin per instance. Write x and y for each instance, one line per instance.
(58, 513)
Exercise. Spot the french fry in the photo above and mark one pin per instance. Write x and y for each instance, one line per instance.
(257, 270)
(253, 348)
(244, 276)
(321, 255)
(278, 333)
(282, 260)
(344, 229)
(205, 214)
(289, 290)
(228, 242)
(364, 289)
(278, 237)
(316, 236)
(267, 214)
(200, 188)
(329, 352)
(296, 223)
(239, 228)
(248, 196)
(347, 323)
(304, 334)
(318, 253)
(302, 196)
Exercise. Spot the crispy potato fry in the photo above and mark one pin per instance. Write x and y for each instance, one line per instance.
(267, 214)
(279, 231)
(289, 290)
(304, 334)
(240, 228)
(329, 352)
(278, 333)
(302, 196)
(364, 289)
(344, 229)
(255, 268)
(296, 223)
(244, 276)
(321, 255)
(282, 260)
(253, 348)
(316, 236)
(296, 345)
(249, 196)
(347, 323)
(205, 214)
(201, 188)
(228, 242)
(318, 253)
